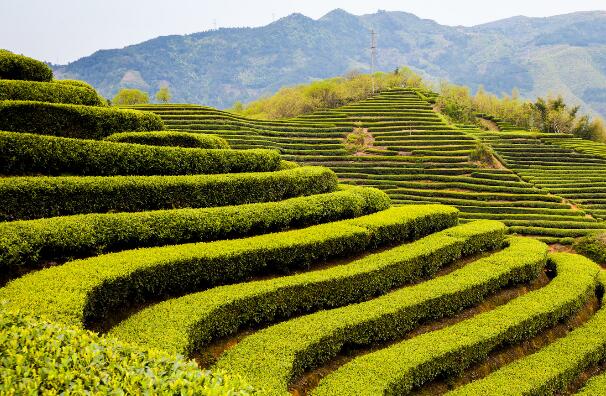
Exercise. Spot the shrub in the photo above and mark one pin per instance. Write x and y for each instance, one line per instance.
(76, 83)
(483, 153)
(171, 138)
(76, 121)
(592, 246)
(24, 153)
(25, 243)
(48, 92)
(553, 368)
(275, 355)
(86, 291)
(410, 363)
(190, 322)
(39, 357)
(35, 197)
(19, 67)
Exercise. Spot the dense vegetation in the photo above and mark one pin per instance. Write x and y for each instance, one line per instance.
(327, 94)
(549, 115)
(276, 277)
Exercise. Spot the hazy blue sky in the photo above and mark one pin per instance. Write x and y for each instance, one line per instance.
(65, 30)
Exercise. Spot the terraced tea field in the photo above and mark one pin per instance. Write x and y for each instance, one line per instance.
(413, 155)
(217, 270)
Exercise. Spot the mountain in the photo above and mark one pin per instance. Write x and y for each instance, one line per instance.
(560, 54)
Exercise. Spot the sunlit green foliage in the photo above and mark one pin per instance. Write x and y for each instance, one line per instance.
(551, 114)
(128, 96)
(329, 93)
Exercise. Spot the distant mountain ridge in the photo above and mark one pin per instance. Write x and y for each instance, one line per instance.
(560, 54)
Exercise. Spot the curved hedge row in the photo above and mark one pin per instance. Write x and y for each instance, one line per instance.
(49, 92)
(35, 197)
(67, 120)
(25, 243)
(19, 67)
(25, 153)
(82, 292)
(401, 367)
(272, 357)
(558, 364)
(596, 386)
(171, 138)
(75, 83)
(40, 357)
(187, 323)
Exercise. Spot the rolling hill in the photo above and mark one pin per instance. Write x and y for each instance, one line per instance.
(561, 54)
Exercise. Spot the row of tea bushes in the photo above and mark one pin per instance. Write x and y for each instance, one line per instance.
(36, 197)
(24, 153)
(170, 138)
(40, 357)
(77, 121)
(19, 67)
(187, 323)
(30, 242)
(553, 368)
(272, 357)
(401, 367)
(52, 92)
(84, 292)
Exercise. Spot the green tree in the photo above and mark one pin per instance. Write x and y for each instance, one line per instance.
(163, 95)
(127, 96)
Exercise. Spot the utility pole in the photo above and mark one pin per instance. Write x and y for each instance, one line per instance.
(373, 57)
(215, 24)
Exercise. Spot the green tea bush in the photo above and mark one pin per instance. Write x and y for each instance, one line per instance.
(551, 369)
(84, 292)
(24, 153)
(40, 357)
(273, 356)
(36, 197)
(77, 121)
(592, 246)
(403, 366)
(76, 83)
(190, 322)
(19, 67)
(26, 243)
(171, 138)
(49, 92)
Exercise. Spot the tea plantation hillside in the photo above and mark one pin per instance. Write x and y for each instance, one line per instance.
(407, 150)
(139, 260)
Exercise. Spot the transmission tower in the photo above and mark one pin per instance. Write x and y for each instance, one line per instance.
(373, 57)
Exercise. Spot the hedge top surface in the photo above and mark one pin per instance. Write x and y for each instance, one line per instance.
(398, 368)
(553, 367)
(282, 351)
(49, 92)
(31, 197)
(19, 67)
(69, 120)
(40, 357)
(25, 153)
(82, 291)
(76, 83)
(24, 243)
(186, 323)
(171, 138)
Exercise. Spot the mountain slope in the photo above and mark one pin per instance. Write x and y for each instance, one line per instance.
(564, 54)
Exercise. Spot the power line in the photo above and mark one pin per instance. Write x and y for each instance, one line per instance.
(373, 57)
